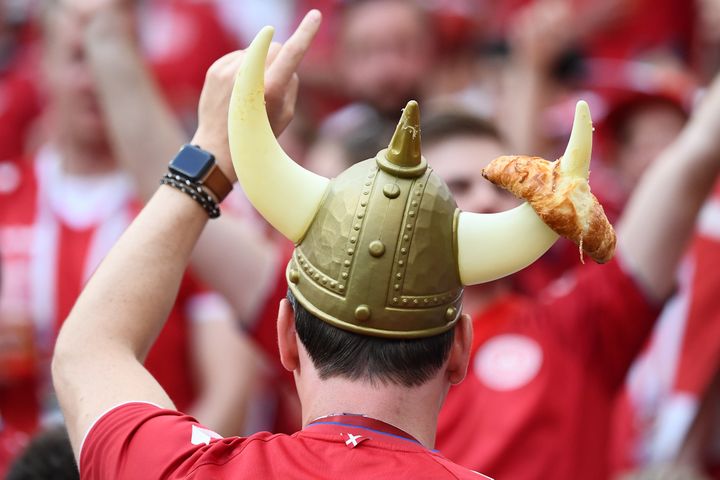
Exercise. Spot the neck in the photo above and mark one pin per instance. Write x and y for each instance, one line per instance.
(413, 410)
(81, 157)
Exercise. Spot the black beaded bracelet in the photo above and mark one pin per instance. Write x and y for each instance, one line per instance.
(196, 191)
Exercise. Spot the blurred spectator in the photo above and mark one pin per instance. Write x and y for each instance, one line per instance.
(59, 218)
(637, 128)
(579, 339)
(383, 53)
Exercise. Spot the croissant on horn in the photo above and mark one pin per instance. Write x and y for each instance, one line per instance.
(562, 201)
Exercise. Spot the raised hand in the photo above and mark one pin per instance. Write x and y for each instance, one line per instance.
(281, 84)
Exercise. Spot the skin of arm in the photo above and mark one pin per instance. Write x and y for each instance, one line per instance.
(539, 35)
(98, 356)
(658, 221)
(144, 134)
(227, 376)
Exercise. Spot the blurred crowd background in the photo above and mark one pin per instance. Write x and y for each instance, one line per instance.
(93, 95)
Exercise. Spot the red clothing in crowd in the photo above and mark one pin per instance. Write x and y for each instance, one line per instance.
(50, 243)
(668, 382)
(541, 382)
(139, 440)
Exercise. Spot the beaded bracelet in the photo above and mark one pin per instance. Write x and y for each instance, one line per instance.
(197, 192)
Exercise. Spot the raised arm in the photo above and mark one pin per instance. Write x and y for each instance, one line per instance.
(145, 134)
(99, 353)
(659, 218)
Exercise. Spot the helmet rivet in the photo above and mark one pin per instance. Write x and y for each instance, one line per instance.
(346, 263)
(450, 314)
(341, 287)
(344, 275)
(294, 276)
(391, 190)
(357, 226)
(350, 251)
(411, 213)
(408, 226)
(401, 263)
(397, 286)
(353, 239)
(362, 313)
(403, 250)
(377, 249)
(398, 275)
(360, 215)
(406, 237)
(414, 203)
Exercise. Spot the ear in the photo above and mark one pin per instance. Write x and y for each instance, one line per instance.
(460, 350)
(287, 337)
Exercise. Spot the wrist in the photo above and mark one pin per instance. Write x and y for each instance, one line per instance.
(194, 172)
(220, 150)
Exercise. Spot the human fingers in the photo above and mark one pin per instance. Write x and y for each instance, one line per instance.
(293, 51)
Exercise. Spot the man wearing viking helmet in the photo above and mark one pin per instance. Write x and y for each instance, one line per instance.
(373, 331)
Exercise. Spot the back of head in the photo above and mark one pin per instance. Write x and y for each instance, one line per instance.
(375, 360)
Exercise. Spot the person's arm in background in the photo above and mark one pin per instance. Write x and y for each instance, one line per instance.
(98, 359)
(542, 32)
(539, 35)
(145, 135)
(227, 365)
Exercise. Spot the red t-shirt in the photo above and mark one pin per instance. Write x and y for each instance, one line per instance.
(542, 377)
(46, 256)
(139, 440)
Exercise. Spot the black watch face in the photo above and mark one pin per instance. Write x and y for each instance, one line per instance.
(192, 163)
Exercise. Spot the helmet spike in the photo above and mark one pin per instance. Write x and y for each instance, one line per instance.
(404, 148)
(403, 157)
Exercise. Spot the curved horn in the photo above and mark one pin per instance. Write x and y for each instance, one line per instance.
(491, 246)
(576, 160)
(287, 195)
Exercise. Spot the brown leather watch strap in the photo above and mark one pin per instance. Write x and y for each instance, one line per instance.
(217, 183)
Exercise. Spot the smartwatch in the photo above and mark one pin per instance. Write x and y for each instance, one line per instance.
(199, 167)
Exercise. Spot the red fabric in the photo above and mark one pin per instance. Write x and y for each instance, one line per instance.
(537, 399)
(687, 341)
(143, 441)
(23, 392)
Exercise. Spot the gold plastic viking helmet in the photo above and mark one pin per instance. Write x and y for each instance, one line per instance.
(382, 249)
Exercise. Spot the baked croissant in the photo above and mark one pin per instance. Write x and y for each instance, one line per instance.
(562, 200)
